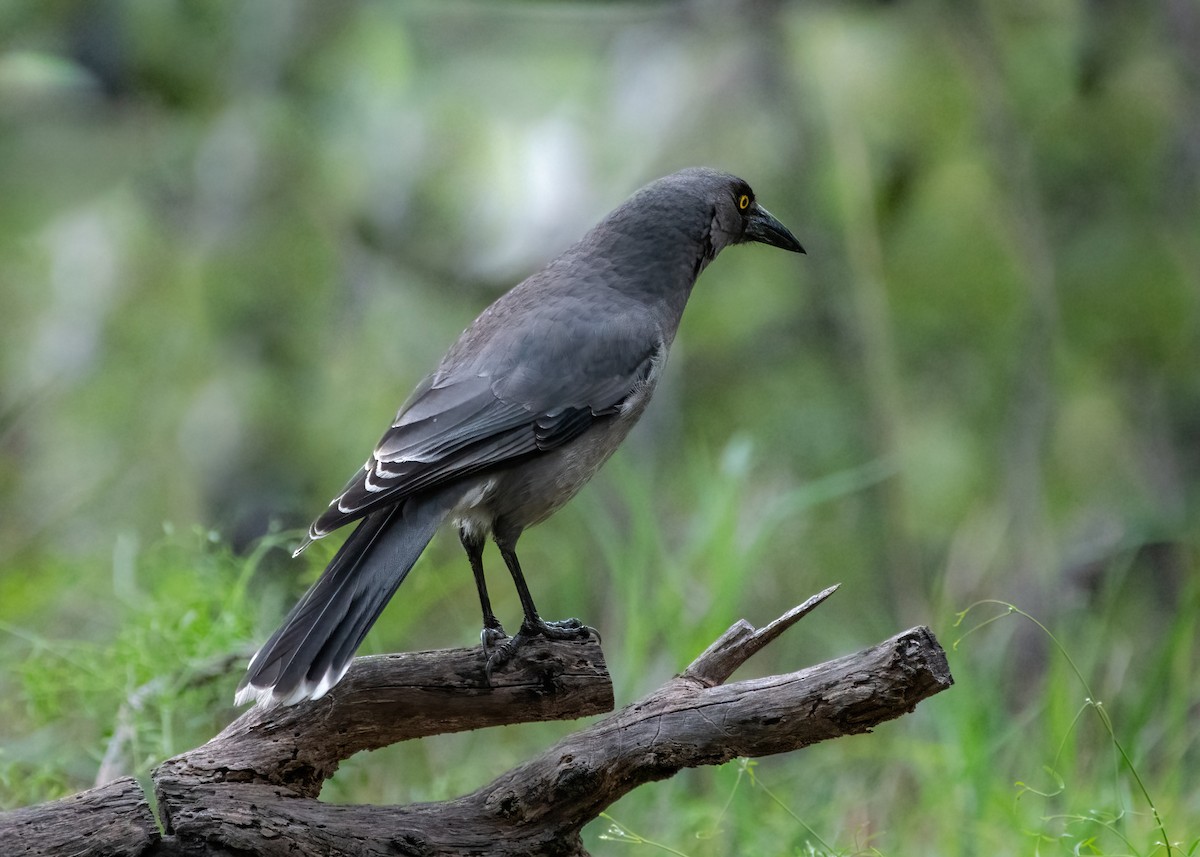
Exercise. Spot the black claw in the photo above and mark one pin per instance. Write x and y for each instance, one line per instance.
(490, 637)
(501, 655)
(497, 646)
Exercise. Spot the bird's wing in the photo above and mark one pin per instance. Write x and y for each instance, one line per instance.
(458, 423)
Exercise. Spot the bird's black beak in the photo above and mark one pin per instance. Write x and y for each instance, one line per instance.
(762, 226)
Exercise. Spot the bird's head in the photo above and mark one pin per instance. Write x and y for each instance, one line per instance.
(701, 208)
(737, 217)
(680, 223)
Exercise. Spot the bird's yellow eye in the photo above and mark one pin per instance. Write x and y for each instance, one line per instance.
(743, 202)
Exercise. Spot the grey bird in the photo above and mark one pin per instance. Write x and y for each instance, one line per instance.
(525, 407)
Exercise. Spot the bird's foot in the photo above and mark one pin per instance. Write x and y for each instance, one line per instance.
(504, 648)
(492, 636)
(562, 629)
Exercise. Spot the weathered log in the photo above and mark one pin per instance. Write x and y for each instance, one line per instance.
(113, 819)
(252, 789)
(386, 699)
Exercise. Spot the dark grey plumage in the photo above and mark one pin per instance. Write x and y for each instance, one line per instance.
(529, 402)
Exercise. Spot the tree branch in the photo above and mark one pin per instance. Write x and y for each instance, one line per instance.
(386, 699)
(112, 820)
(251, 790)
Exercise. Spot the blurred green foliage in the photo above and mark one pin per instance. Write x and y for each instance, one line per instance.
(234, 235)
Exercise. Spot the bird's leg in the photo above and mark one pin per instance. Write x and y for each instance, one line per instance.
(533, 625)
(493, 631)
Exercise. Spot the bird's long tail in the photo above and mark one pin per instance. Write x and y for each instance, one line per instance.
(313, 647)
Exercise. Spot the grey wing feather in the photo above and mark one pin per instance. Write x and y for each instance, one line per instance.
(455, 426)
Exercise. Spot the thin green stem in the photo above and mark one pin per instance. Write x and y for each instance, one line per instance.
(1090, 700)
(618, 832)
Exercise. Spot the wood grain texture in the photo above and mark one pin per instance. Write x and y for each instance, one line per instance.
(252, 789)
(113, 819)
(386, 699)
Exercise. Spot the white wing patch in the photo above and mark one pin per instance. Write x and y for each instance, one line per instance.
(640, 394)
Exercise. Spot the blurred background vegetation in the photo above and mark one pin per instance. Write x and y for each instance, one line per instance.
(234, 235)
